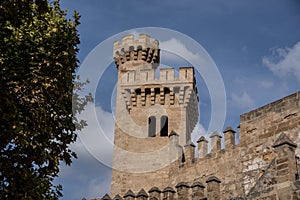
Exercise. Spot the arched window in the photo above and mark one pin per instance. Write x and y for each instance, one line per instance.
(131, 48)
(164, 126)
(151, 126)
(139, 47)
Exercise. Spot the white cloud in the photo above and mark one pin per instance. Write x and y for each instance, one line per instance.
(198, 131)
(97, 137)
(197, 56)
(243, 101)
(253, 81)
(284, 62)
(87, 176)
(245, 49)
(180, 48)
(265, 84)
(135, 33)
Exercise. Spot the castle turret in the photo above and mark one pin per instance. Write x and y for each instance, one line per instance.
(130, 53)
(148, 108)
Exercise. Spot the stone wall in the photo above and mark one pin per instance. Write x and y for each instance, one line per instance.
(256, 168)
(276, 182)
(260, 128)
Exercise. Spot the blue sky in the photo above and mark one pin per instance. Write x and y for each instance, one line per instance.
(255, 45)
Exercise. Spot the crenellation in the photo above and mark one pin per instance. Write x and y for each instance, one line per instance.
(154, 193)
(144, 38)
(167, 76)
(229, 137)
(129, 195)
(189, 152)
(117, 197)
(197, 191)
(215, 142)
(143, 50)
(106, 197)
(186, 74)
(182, 190)
(168, 193)
(184, 93)
(142, 195)
(202, 147)
(129, 44)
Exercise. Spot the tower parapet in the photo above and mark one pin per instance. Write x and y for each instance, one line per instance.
(147, 110)
(167, 76)
(130, 52)
(141, 88)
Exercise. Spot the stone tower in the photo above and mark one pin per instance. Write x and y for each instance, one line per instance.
(154, 115)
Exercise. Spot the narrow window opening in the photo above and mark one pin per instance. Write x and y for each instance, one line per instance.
(166, 90)
(151, 126)
(157, 91)
(131, 48)
(147, 91)
(146, 76)
(166, 75)
(139, 47)
(128, 77)
(138, 91)
(164, 126)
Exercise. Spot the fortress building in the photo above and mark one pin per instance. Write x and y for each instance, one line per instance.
(154, 157)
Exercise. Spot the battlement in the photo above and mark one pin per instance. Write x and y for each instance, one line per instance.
(276, 180)
(166, 76)
(142, 88)
(183, 190)
(129, 44)
(141, 51)
(215, 147)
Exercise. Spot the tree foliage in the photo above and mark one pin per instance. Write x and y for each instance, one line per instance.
(38, 60)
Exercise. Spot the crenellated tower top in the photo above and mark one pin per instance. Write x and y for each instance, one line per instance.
(131, 53)
(150, 106)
